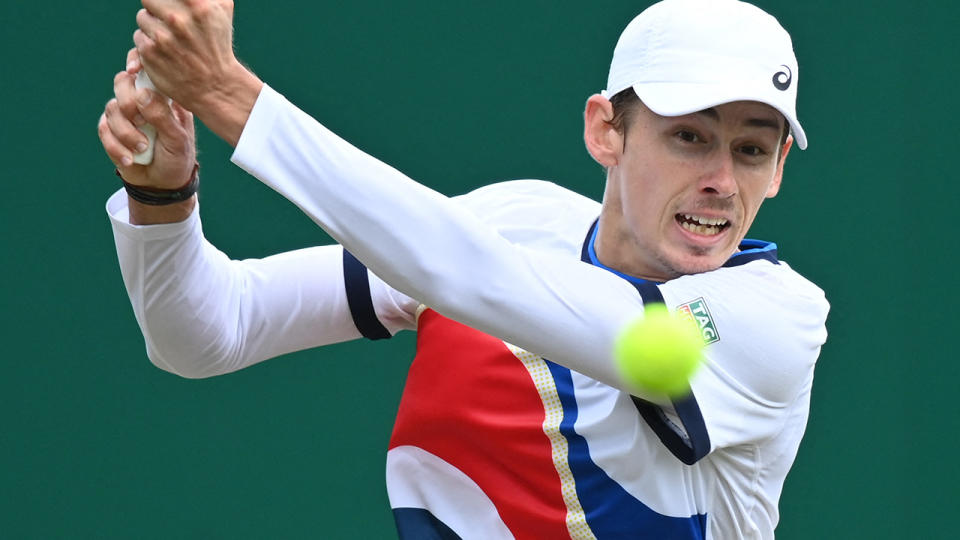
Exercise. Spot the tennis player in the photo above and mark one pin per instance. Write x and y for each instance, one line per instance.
(514, 422)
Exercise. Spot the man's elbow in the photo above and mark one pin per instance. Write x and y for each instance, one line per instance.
(186, 366)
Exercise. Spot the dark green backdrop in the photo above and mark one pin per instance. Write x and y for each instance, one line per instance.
(96, 442)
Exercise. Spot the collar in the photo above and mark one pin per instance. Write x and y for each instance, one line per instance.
(750, 250)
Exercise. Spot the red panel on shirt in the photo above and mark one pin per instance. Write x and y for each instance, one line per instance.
(471, 402)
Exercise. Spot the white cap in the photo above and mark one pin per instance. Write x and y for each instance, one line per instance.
(683, 56)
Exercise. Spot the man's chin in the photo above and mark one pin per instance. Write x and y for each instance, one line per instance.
(698, 261)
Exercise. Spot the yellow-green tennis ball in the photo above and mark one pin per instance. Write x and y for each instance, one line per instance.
(659, 352)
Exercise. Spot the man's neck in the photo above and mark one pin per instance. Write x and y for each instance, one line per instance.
(616, 250)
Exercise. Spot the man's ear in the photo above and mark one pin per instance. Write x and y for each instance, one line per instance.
(778, 177)
(603, 141)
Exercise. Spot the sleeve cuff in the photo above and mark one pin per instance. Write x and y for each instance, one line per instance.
(258, 128)
(119, 213)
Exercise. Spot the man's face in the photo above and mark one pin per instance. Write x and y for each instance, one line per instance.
(684, 190)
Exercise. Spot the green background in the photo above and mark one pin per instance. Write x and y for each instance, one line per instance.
(96, 442)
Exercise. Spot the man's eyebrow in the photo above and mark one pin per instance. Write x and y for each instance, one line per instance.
(771, 123)
(764, 123)
(711, 113)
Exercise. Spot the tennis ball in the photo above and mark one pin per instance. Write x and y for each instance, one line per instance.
(659, 352)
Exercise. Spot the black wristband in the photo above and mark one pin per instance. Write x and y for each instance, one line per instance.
(161, 197)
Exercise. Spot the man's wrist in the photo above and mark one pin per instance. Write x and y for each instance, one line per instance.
(145, 214)
(226, 109)
(153, 196)
(154, 206)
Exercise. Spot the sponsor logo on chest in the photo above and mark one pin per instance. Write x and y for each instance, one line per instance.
(697, 312)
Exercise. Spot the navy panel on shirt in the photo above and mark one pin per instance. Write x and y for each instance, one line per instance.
(420, 524)
(753, 250)
(693, 445)
(611, 511)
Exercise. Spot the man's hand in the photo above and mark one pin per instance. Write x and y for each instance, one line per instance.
(175, 151)
(186, 46)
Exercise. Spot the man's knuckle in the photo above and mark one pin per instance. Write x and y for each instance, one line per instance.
(146, 48)
(128, 108)
(163, 39)
(200, 8)
(176, 22)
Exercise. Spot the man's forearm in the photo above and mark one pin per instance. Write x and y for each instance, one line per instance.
(187, 48)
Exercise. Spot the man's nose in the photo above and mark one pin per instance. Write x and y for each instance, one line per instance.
(719, 179)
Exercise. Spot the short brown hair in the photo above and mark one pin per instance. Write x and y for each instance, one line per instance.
(625, 104)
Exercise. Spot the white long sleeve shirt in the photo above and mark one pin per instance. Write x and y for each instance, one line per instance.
(507, 260)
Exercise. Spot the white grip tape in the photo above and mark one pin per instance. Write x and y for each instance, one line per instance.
(146, 157)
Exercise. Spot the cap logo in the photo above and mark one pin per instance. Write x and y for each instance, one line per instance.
(781, 79)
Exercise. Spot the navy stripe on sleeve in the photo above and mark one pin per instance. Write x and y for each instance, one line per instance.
(358, 298)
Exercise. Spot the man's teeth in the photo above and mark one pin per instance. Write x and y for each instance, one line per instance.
(700, 229)
(705, 220)
(702, 225)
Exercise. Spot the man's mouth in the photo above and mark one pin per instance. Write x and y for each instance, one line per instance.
(706, 226)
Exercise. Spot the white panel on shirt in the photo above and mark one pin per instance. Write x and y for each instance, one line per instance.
(451, 493)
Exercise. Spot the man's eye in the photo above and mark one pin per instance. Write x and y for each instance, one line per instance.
(752, 150)
(688, 136)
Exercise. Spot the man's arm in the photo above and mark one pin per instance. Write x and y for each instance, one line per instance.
(202, 314)
(415, 239)
(431, 248)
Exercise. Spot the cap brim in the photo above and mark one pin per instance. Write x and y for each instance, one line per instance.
(677, 99)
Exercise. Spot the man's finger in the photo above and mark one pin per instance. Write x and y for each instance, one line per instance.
(117, 153)
(184, 117)
(133, 61)
(153, 27)
(156, 110)
(144, 44)
(106, 139)
(125, 91)
(126, 134)
(158, 8)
